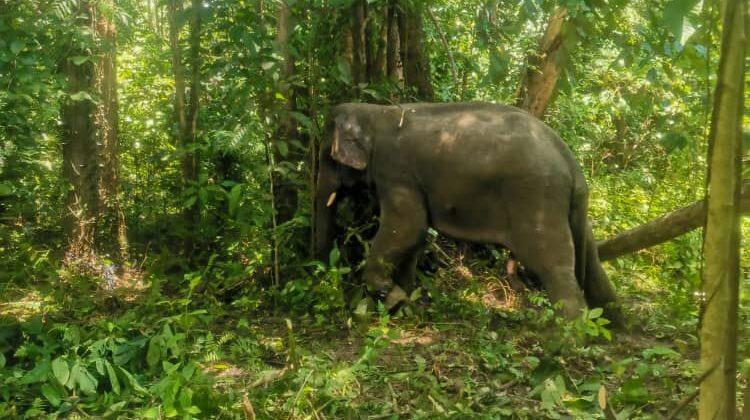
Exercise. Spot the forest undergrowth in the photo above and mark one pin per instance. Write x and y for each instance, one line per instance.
(474, 346)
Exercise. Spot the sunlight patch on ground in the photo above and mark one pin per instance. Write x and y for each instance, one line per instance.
(418, 337)
(23, 308)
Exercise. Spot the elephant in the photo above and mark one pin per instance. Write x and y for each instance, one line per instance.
(477, 172)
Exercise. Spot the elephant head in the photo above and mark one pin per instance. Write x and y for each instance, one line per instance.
(344, 156)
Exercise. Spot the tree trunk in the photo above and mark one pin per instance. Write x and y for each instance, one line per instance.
(94, 219)
(377, 38)
(394, 67)
(186, 110)
(544, 67)
(357, 26)
(670, 226)
(413, 55)
(80, 151)
(112, 236)
(192, 154)
(285, 153)
(718, 331)
(174, 7)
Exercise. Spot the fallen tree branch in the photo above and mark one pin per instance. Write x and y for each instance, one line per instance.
(663, 229)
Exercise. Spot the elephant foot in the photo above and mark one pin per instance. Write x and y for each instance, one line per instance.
(614, 314)
(395, 299)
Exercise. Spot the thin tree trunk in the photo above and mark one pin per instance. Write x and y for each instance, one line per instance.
(186, 110)
(192, 153)
(663, 229)
(446, 46)
(718, 331)
(284, 152)
(178, 71)
(544, 67)
(112, 235)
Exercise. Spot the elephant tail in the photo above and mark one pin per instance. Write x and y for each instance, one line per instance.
(592, 278)
(579, 230)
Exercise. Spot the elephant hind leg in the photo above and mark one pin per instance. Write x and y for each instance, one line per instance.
(402, 231)
(546, 248)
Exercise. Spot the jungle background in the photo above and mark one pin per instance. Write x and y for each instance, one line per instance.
(157, 159)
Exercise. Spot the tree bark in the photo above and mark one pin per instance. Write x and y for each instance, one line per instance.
(721, 272)
(112, 236)
(413, 55)
(394, 66)
(663, 229)
(377, 37)
(80, 151)
(94, 219)
(359, 41)
(544, 67)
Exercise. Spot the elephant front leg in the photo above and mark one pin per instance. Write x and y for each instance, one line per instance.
(403, 226)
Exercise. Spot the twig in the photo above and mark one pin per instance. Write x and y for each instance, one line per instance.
(247, 407)
(269, 377)
(444, 40)
(690, 397)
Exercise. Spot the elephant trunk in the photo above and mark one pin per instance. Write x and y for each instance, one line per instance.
(323, 230)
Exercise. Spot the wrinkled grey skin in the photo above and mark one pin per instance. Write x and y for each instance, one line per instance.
(473, 171)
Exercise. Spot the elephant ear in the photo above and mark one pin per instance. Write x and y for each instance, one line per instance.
(349, 145)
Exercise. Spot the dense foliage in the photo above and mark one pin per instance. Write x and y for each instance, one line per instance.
(244, 322)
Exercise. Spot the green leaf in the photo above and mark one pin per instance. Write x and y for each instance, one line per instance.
(190, 201)
(194, 282)
(235, 194)
(6, 189)
(113, 381)
(38, 374)
(674, 141)
(344, 72)
(595, 313)
(81, 96)
(333, 257)
(169, 367)
(186, 398)
(60, 370)
(86, 382)
(137, 387)
(51, 394)
(17, 46)
(303, 119)
(658, 351)
(2, 360)
(188, 370)
(634, 391)
(79, 59)
(153, 355)
(123, 354)
(283, 148)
